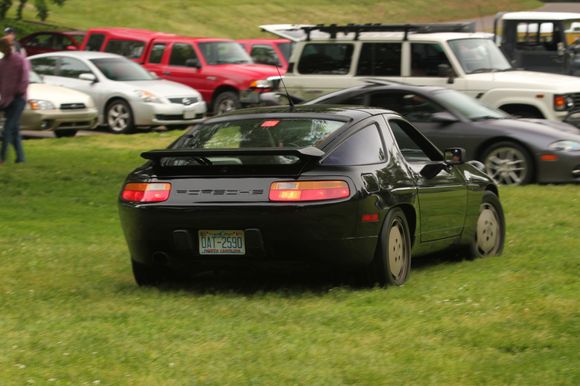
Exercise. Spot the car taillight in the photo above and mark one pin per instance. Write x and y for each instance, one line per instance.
(146, 192)
(308, 191)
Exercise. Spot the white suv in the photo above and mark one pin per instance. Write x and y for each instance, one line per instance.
(327, 58)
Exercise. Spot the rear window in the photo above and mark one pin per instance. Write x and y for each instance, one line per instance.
(253, 133)
(95, 42)
(132, 49)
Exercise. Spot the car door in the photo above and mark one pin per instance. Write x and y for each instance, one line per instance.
(183, 65)
(443, 198)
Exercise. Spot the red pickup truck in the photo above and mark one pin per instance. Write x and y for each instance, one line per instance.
(220, 69)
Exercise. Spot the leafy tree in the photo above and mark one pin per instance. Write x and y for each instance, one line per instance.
(42, 9)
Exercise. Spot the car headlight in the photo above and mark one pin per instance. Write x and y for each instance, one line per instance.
(565, 146)
(262, 83)
(563, 102)
(39, 104)
(147, 96)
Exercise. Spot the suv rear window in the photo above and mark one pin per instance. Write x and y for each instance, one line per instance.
(380, 59)
(331, 59)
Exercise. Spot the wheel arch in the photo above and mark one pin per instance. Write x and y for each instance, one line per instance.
(411, 216)
(511, 107)
(223, 88)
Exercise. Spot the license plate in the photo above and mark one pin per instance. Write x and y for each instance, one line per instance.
(221, 242)
(188, 114)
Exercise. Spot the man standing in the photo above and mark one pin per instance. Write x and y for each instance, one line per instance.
(10, 34)
(13, 85)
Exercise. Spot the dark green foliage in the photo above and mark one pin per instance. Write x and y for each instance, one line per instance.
(42, 9)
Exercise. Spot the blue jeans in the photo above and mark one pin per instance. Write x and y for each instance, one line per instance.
(12, 114)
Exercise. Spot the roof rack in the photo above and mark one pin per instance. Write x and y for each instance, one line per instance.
(357, 29)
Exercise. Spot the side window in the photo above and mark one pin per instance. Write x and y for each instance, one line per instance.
(44, 66)
(156, 53)
(536, 36)
(362, 148)
(332, 59)
(180, 54)
(72, 68)
(132, 49)
(95, 42)
(426, 58)
(380, 59)
(264, 55)
(40, 41)
(413, 145)
(414, 107)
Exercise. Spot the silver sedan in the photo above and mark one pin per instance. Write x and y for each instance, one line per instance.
(127, 96)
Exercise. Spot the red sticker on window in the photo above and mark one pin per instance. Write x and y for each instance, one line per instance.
(269, 123)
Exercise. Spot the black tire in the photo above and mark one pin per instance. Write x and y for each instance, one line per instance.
(226, 101)
(392, 262)
(119, 117)
(508, 163)
(149, 275)
(65, 133)
(489, 233)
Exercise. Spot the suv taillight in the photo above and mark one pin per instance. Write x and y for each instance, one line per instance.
(146, 192)
(297, 191)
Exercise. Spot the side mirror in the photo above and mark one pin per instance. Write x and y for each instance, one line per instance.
(90, 77)
(455, 156)
(444, 70)
(444, 117)
(193, 62)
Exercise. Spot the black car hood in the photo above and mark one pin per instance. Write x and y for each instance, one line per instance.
(555, 130)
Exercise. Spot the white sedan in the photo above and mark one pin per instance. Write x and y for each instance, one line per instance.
(127, 96)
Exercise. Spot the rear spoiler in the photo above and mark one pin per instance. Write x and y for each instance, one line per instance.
(307, 154)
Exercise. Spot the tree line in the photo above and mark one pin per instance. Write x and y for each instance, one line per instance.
(41, 6)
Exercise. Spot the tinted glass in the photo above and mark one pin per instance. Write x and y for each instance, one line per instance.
(286, 49)
(44, 66)
(156, 53)
(224, 53)
(78, 37)
(181, 53)
(132, 49)
(72, 68)
(380, 59)
(256, 133)
(426, 58)
(326, 58)
(414, 146)
(95, 42)
(362, 148)
(469, 107)
(121, 69)
(414, 107)
(264, 55)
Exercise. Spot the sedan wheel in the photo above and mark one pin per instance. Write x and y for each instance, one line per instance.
(508, 164)
(392, 263)
(120, 117)
(489, 236)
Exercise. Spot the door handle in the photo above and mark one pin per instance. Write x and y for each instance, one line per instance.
(166, 72)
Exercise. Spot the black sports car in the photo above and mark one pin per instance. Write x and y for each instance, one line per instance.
(355, 188)
(514, 151)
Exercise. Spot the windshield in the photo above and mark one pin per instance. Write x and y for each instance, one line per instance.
(252, 133)
(34, 78)
(479, 55)
(467, 106)
(121, 69)
(224, 53)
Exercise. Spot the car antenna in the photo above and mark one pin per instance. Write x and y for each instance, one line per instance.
(290, 102)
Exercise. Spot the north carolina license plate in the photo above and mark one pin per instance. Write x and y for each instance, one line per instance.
(221, 242)
(188, 114)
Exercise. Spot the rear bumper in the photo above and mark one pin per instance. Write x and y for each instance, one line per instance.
(305, 235)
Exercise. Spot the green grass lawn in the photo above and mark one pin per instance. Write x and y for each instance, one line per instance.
(239, 19)
(70, 313)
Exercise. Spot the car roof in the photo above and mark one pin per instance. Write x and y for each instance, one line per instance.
(341, 112)
(191, 39)
(540, 16)
(263, 40)
(79, 54)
